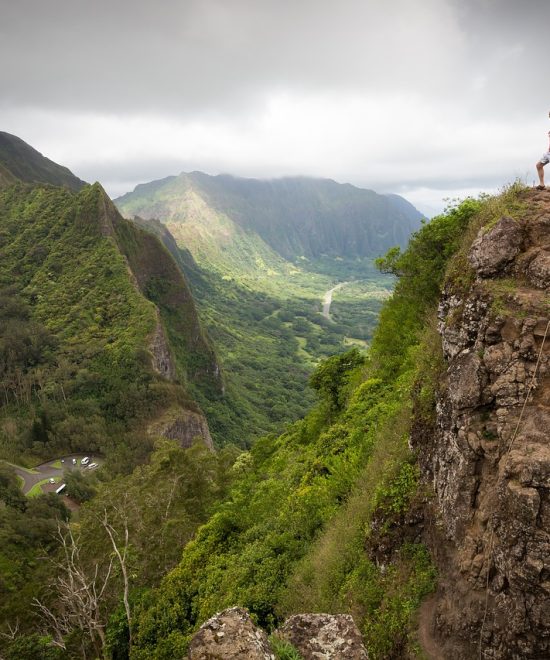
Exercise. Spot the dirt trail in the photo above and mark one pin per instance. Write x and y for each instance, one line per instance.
(426, 616)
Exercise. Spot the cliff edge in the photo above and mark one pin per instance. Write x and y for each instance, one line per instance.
(488, 455)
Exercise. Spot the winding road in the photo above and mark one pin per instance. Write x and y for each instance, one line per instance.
(327, 300)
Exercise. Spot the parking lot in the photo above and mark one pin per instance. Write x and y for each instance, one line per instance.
(48, 476)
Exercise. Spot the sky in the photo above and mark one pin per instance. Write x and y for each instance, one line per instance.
(433, 99)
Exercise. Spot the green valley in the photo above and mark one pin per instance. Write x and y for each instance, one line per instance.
(117, 336)
(259, 257)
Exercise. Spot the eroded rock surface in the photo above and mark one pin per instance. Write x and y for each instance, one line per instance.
(493, 250)
(489, 462)
(182, 425)
(163, 362)
(324, 636)
(230, 635)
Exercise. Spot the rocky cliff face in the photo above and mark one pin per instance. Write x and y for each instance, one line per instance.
(183, 425)
(489, 458)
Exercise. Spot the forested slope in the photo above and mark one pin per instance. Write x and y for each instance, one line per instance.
(20, 161)
(78, 365)
(332, 515)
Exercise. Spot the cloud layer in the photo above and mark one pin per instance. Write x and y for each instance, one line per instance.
(430, 99)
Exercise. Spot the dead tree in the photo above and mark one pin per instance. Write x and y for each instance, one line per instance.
(78, 596)
(120, 548)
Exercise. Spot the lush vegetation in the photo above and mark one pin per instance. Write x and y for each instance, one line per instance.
(27, 540)
(75, 370)
(315, 518)
(270, 335)
(148, 516)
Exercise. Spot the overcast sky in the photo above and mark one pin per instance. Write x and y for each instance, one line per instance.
(429, 99)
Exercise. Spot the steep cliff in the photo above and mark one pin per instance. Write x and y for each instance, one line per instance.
(487, 455)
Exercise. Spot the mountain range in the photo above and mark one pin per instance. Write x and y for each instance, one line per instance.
(241, 224)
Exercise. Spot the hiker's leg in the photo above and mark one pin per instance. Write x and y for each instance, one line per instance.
(540, 170)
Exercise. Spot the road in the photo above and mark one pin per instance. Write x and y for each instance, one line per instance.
(327, 300)
(49, 470)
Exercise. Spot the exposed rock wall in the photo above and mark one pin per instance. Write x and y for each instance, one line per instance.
(163, 362)
(182, 425)
(489, 459)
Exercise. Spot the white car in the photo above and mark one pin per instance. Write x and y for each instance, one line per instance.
(85, 460)
(52, 480)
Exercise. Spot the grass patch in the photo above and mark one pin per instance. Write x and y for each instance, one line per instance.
(23, 469)
(283, 650)
(36, 490)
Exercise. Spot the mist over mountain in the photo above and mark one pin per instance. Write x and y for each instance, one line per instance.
(294, 217)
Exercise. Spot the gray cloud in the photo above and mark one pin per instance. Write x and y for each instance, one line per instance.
(435, 94)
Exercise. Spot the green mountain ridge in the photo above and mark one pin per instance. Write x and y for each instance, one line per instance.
(92, 305)
(248, 225)
(18, 160)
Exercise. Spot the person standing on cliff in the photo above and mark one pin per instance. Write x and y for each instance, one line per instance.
(540, 165)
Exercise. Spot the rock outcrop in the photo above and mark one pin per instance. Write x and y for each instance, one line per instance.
(163, 362)
(230, 635)
(182, 425)
(327, 636)
(489, 461)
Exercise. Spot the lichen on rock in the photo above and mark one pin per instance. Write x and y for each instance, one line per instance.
(327, 636)
(230, 635)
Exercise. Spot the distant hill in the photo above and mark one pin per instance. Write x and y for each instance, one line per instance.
(254, 221)
(19, 160)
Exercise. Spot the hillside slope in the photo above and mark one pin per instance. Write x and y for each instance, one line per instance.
(340, 515)
(252, 224)
(89, 305)
(22, 162)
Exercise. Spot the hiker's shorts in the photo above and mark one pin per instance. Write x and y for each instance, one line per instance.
(545, 158)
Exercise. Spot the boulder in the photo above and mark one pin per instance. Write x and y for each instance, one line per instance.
(538, 270)
(324, 637)
(493, 250)
(230, 635)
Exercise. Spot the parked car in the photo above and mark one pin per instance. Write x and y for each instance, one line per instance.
(85, 460)
(74, 461)
(52, 480)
